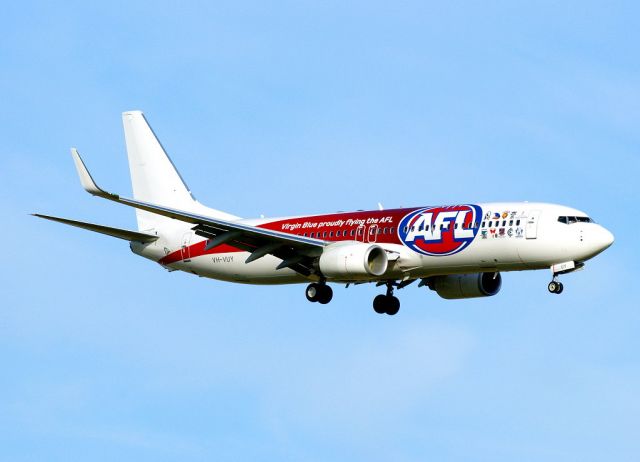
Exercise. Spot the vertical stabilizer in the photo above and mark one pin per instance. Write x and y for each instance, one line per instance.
(154, 178)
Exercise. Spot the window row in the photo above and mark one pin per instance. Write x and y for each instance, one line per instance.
(352, 233)
(504, 223)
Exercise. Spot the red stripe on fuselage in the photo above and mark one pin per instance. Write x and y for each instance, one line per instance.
(325, 227)
(195, 250)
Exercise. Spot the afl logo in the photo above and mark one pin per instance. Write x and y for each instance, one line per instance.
(440, 231)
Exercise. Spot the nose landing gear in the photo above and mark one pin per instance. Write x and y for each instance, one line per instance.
(319, 292)
(386, 303)
(555, 286)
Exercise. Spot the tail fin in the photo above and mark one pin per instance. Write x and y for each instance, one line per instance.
(154, 178)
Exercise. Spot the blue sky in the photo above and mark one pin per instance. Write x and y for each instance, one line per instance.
(281, 108)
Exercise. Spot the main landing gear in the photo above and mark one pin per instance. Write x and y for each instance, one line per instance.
(386, 303)
(383, 304)
(319, 292)
(555, 286)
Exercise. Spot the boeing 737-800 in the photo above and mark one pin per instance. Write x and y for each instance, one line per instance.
(458, 250)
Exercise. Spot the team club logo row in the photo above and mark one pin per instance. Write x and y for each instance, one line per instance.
(440, 231)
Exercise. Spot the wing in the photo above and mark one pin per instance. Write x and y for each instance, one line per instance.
(296, 252)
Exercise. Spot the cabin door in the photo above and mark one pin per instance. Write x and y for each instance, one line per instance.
(185, 251)
(531, 228)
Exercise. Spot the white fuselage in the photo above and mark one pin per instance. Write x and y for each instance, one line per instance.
(509, 236)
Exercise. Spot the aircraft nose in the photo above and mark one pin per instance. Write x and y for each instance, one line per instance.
(604, 238)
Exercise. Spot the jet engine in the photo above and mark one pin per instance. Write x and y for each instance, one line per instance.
(353, 260)
(466, 285)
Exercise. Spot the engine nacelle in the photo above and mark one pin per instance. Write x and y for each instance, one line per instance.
(353, 260)
(466, 285)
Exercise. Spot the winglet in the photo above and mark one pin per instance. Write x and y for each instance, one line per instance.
(85, 177)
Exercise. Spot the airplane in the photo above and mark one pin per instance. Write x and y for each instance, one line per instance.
(458, 251)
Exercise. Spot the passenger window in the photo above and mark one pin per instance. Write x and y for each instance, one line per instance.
(393, 230)
(504, 223)
(324, 234)
(510, 222)
(331, 234)
(312, 234)
(491, 224)
(484, 224)
(518, 223)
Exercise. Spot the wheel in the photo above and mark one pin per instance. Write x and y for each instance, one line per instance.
(393, 305)
(553, 287)
(325, 294)
(560, 288)
(313, 292)
(379, 304)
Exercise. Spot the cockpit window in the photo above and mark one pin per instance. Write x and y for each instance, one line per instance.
(570, 220)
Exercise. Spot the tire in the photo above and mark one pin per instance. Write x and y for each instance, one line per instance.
(553, 287)
(313, 292)
(393, 306)
(380, 304)
(560, 288)
(325, 294)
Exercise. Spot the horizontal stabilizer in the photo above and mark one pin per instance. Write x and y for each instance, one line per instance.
(108, 230)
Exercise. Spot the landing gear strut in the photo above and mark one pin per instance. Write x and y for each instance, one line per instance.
(555, 286)
(319, 292)
(386, 303)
